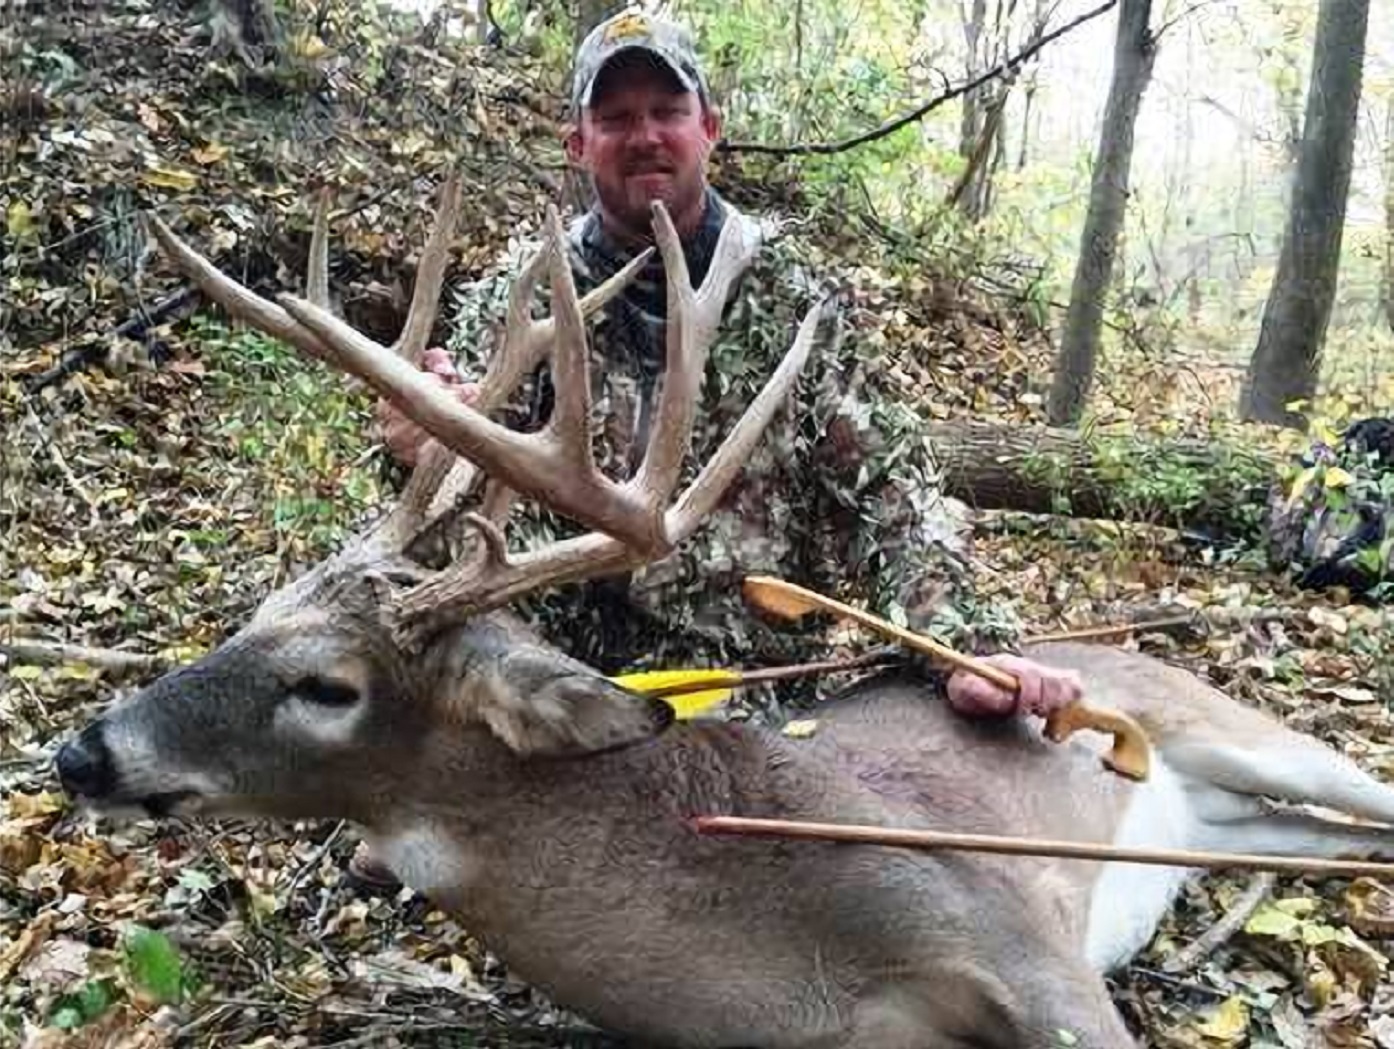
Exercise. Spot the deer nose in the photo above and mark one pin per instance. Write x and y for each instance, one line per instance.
(84, 765)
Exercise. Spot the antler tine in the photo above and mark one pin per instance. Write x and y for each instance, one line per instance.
(569, 425)
(540, 465)
(239, 301)
(430, 275)
(693, 317)
(702, 496)
(526, 341)
(317, 270)
(440, 480)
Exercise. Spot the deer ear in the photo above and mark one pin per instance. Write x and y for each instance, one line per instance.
(542, 704)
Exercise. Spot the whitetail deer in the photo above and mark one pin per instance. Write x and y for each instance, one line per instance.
(549, 807)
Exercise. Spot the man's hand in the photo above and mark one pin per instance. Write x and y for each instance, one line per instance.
(402, 436)
(1044, 689)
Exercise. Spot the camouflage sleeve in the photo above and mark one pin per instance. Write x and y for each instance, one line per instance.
(886, 534)
(477, 324)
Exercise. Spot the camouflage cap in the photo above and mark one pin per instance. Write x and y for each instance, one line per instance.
(632, 29)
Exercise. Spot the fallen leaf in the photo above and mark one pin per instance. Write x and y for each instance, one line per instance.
(210, 153)
(1228, 1023)
(19, 222)
(1371, 908)
(170, 178)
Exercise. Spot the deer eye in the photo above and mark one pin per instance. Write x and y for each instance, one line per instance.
(325, 693)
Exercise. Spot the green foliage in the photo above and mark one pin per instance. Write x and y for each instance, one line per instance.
(297, 418)
(84, 1005)
(1165, 482)
(153, 965)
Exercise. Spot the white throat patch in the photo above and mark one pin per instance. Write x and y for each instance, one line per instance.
(424, 858)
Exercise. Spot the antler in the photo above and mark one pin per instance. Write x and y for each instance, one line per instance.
(632, 520)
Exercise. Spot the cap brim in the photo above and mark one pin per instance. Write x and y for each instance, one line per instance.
(684, 78)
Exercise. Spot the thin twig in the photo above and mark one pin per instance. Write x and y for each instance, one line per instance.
(315, 858)
(54, 652)
(1234, 919)
(1003, 67)
(1165, 625)
(51, 446)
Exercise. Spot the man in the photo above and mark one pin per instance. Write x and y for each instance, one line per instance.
(842, 493)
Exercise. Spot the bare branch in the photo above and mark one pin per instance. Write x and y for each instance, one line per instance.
(890, 127)
(56, 652)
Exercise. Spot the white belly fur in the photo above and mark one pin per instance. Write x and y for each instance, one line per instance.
(1129, 899)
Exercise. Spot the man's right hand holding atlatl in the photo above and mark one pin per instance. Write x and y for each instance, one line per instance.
(403, 437)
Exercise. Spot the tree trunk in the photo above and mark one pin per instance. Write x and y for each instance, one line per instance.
(1389, 215)
(589, 14)
(1133, 53)
(1021, 156)
(972, 192)
(248, 29)
(1220, 489)
(976, 105)
(1284, 366)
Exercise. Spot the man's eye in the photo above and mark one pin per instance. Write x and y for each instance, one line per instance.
(325, 693)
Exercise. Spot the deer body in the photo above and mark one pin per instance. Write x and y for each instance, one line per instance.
(581, 871)
(549, 807)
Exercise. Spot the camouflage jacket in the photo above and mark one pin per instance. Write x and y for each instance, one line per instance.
(840, 495)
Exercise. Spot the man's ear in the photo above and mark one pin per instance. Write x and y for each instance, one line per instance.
(541, 704)
(575, 145)
(711, 123)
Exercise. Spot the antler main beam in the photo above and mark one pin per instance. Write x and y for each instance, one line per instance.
(633, 521)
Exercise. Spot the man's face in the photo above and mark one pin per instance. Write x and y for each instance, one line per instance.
(645, 138)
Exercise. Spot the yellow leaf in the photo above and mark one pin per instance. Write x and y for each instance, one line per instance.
(1228, 1023)
(1300, 485)
(30, 806)
(1270, 920)
(307, 45)
(1337, 478)
(209, 154)
(1321, 984)
(19, 221)
(802, 728)
(1323, 433)
(170, 178)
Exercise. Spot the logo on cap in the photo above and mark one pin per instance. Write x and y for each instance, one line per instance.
(627, 26)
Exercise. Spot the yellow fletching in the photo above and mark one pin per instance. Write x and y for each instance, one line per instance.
(687, 704)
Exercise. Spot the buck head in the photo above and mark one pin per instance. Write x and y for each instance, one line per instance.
(314, 709)
(349, 688)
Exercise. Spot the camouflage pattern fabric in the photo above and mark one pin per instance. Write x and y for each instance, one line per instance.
(841, 494)
(1334, 526)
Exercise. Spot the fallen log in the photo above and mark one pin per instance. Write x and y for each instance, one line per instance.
(1212, 487)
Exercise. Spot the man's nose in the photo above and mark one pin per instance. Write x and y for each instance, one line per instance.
(84, 765)
(644, 129)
